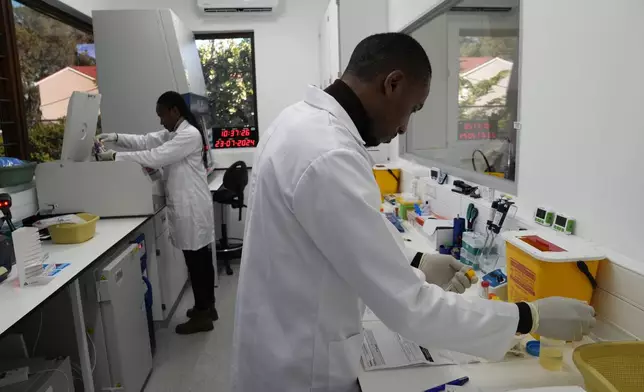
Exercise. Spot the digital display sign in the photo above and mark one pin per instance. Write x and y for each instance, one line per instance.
(235, 137)
(475, 130)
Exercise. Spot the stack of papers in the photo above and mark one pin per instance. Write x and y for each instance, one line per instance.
(385, 349)
(29, 256)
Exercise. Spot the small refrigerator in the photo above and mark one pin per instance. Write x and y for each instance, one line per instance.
(121, 300)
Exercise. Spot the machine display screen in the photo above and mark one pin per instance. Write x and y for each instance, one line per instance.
(235, 137)
(541, 213)
(561, 221)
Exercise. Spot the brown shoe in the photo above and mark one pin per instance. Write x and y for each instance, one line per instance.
(200, 322)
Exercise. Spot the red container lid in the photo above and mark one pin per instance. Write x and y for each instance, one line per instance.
(485, 283)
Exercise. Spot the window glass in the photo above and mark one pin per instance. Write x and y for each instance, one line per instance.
(55, 60)
(469, 117)
(229, 72)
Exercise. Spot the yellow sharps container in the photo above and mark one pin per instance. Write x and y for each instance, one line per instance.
(543, 264)
(388, 179)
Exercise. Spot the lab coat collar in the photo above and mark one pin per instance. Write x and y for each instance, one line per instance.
(323, 101)
(181, 124)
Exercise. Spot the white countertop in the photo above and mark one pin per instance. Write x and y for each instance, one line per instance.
(17, 302)
(215, 180)
(489, 377)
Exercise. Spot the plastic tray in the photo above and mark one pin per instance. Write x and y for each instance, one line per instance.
(17, 175)
(611, 367)
(69, 233)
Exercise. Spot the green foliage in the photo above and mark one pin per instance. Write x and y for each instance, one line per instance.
(1, 146)
(228, 72)
(470, 93)
(45, 46)
(494, 110)
(503, 47)
(46, 141)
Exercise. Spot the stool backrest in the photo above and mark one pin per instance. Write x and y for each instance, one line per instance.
(236, 178)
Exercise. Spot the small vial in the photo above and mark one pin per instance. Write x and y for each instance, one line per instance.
(485, 289)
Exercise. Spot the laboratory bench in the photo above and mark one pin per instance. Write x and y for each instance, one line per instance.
(22, 308)
(16, 302)
(503, 376)
(487, 377)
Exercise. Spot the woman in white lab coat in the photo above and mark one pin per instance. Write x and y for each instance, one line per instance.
(317, 249)
(180, 150)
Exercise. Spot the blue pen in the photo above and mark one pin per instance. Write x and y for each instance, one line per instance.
(458, 382)
(419, 212)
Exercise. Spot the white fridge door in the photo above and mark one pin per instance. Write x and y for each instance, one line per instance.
(122, 303)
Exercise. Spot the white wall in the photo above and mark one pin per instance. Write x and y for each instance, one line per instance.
(404, 12)
(356, 25)
(581, 143)
(286, 44)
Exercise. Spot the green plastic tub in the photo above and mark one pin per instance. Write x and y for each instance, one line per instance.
(17, 175)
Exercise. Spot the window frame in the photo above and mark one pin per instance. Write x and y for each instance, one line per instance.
(18, 145)
(239, 34)
(502, 185)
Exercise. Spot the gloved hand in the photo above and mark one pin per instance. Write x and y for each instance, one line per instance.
(562, 318)
(108, 155)
(108, 137)
(442, 270)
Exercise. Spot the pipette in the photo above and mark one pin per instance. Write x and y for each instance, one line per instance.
(471, 275)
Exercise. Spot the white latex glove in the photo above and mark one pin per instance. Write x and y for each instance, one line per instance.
(443, 270)
(562, 318)
(108, 137)
(108, 155)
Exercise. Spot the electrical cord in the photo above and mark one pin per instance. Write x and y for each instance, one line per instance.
(487, 163)
(93, 350)
(583, 267)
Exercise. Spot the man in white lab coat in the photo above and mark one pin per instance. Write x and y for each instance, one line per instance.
(316, 246)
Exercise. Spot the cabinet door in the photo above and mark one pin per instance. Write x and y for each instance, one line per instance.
(178, 273)
(172, 271)
(164, 258)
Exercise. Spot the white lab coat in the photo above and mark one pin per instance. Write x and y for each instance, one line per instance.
(316, 247)
(179, 153)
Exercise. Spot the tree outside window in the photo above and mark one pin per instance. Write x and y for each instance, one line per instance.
(229, 73)
(55, 60)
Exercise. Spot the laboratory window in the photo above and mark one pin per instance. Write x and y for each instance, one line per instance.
(48, 54)
(228, 62)
(469, 120)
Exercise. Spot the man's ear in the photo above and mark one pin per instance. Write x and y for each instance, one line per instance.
(393, 81)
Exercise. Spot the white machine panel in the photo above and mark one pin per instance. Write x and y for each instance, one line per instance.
(80, 126)
(150, 52)
(121, 292)
(106, 189)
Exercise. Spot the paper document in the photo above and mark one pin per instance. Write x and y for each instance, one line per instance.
(385, 349)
